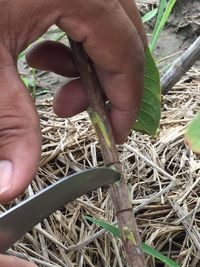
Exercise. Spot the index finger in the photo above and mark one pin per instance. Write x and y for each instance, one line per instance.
(111, 40)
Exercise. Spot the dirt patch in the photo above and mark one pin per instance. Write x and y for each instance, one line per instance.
(181, 31)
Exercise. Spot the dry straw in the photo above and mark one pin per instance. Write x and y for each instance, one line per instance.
(163, 177)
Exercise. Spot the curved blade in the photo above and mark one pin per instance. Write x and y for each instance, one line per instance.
(20, 219)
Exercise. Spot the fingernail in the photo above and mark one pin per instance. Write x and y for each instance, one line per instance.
(5, 175)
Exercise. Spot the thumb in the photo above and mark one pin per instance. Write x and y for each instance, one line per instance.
(8, 261)
(20, 139)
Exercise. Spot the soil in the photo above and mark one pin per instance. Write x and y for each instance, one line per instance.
(181, 30)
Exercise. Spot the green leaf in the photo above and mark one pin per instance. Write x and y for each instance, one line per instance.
(161, 9)
(154, 253)
(149, 15)
(146, 249)
(108, 227)
(149, 115)
(26, 81)
(192, 135)
(163, 15)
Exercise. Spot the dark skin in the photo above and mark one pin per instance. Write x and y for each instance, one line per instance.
(112, 35)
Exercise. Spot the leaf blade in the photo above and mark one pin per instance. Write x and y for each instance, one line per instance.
(154, 253)
(146, 249)
(163, 15)
(192, 135)
(149, 15)
(150, 109)
(108, 227)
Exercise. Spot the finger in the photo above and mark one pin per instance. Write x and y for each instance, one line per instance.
(20, 138)
(125, 99)
(52, 56)
(8, 261)
(118, 53)
(71, 99)
(132, 11)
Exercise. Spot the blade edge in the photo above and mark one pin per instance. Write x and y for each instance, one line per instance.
(20, 219)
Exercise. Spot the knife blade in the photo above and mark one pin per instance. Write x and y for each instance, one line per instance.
(20, 219)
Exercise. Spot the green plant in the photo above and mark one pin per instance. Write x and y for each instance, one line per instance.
(192, 135)
(192, 132)
(150, 110)
(164, 10)
(149, 15)
(146, 249)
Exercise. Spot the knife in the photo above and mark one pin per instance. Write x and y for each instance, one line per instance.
(20, 219)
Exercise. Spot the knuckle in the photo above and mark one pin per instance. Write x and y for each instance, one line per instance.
(15, 126)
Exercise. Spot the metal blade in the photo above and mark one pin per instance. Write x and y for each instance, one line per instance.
(20, 219)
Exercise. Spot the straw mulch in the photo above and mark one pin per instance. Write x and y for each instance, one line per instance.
(163, 178)
(145, 3)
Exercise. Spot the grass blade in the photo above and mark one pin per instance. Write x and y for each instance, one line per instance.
(108, 227)
(149, 15)
(157, 255)
(161, 8)
(146, 249)
(161, 21)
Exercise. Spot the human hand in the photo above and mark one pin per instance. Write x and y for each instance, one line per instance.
(113, 37)
(8, 261)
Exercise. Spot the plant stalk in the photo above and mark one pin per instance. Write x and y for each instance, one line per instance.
(180, 66)
(119, 191)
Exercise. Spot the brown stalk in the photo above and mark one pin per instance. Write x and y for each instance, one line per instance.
(180, 66)
(119, 191)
